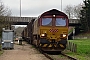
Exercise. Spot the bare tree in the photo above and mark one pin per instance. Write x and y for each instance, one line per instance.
(73, 11)
(69, 11)
(4, 12)
(77, 10)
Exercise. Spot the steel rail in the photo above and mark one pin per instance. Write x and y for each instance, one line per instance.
(68, 56)
(46, 55)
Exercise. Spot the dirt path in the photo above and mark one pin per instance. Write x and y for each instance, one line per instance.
(25, 52)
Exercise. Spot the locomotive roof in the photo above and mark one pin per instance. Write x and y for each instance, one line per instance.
(54, 12)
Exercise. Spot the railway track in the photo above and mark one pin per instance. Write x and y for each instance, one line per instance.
(66, 57)
(52, 57)
(71, 58)
(45, 54)
(49, 57)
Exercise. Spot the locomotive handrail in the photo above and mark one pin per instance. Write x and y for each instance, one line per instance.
(71, 31)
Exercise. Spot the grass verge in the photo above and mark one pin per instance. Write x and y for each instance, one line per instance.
(83, 49)
(1, 51)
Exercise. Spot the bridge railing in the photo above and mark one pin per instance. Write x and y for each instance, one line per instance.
(74, 21)
(18, 19)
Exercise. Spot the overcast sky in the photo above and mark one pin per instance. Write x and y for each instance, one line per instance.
(36, 7)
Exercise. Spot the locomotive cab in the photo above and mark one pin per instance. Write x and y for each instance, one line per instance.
(53, 31)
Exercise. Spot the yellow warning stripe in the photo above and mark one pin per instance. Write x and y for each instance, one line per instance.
(45, 45)
(50, 45)
(61, 46)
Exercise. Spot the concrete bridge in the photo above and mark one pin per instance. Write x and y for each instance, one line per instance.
(25, 20)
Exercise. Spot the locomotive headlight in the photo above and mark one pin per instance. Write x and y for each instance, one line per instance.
(2, 42)
(64, 35)
(42, 34)
(11, 42)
